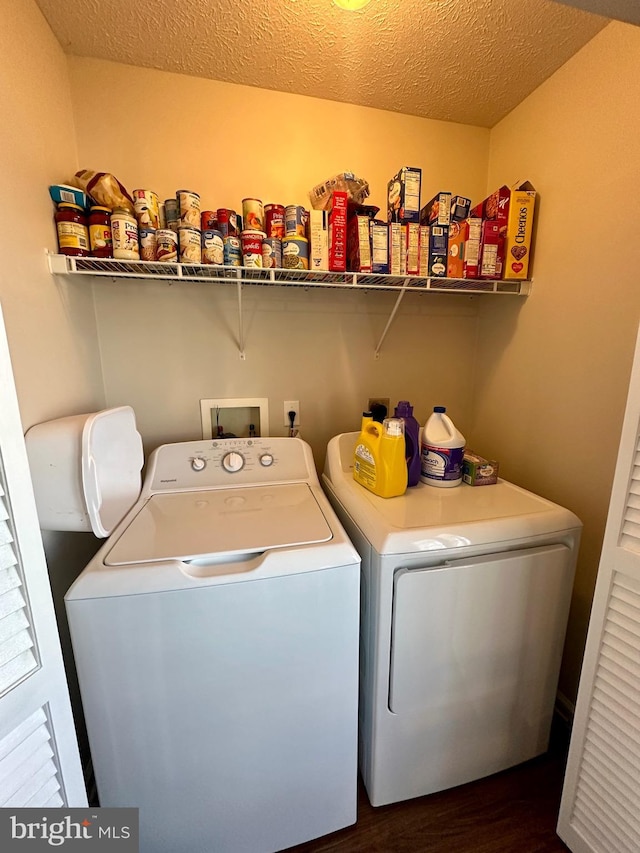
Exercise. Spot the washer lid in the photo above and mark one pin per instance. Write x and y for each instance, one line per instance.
(188, 525)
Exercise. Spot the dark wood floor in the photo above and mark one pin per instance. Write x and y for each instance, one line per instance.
(514, 811)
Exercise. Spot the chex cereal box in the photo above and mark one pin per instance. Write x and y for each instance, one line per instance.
(519, 231)
(460, 207)
(403, 196)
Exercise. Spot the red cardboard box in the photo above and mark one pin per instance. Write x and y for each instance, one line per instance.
(358, 244)
(472, 236)
(490, 265)
(338, 232)
(495, 207)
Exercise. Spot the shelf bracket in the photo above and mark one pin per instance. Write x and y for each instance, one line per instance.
(240, 326)
(392, 317)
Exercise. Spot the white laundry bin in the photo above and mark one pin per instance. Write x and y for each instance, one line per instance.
(86, 469)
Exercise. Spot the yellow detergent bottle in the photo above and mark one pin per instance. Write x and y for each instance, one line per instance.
(380, 463)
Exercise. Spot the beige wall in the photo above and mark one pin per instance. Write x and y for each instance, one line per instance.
(164, 348)
(552, 379)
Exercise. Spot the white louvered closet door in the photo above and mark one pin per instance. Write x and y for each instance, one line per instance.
(39, 760)
(600, 809)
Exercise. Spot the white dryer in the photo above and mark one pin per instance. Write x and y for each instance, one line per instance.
(465, 599)
(216, 640)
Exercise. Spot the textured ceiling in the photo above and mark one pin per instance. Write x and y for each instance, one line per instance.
(468, 61)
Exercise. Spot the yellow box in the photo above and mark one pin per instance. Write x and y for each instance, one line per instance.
(519, 231)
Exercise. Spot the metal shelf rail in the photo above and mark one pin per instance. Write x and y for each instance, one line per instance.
(175, 273)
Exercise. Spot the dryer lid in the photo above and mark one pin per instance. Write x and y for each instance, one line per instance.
(188, 525)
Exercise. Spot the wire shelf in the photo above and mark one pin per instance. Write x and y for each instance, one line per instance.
(172, 273)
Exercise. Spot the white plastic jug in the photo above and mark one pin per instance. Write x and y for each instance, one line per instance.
(441, 451)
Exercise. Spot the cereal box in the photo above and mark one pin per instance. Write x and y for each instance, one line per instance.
(490, 245)
(358, 245)
(437, 211)
(397, 249)
(423, 266)
(338, 232)
(455, 256)
(460, 207)
(318, 240)
(438, 250)
(403, 196)
(478, 471)
(412, 231)
(495, 207)
(472, 235)
(519, 231)
(379, 232)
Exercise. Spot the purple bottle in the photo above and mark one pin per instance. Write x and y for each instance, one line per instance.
(404, 410)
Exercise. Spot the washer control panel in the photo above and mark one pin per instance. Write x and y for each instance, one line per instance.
(221, 463)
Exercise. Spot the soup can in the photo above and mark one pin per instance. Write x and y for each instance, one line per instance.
(166, 246)
(171, 210)
(188, 209)
(227, 222)
(162, 217)
(274, 220)
(232, 251)
(295, 221)
(208, 220)
(212, 247)
(295, 253)
(147, 208)
(252, 247)
(272, 252)
(147, 237)
(252, 214)
(189, 244)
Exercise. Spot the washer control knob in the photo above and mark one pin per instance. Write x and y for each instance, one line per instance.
(233, 462)
(266, 460)
(198, 463)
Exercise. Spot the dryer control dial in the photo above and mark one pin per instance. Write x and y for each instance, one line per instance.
(198, 463)
(266, 460)
(233, 462)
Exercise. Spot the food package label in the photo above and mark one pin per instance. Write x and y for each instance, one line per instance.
(358, 245)
(437, 211)
(471, 230)
(338, 232)
(490, 243)
(318, 240)
(423, 266)
(455, 255)
(438, 250)
(412, 232)
(519, 233)
(396, 266)
(403, 196)
(379, 246)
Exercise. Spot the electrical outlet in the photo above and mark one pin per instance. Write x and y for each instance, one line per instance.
(384, 401)
(291, 406)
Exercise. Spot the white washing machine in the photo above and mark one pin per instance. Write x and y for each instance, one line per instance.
(465, 598)
(216, 640)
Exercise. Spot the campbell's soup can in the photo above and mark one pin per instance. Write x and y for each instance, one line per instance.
(295, 221)
(295, 253)
(274, 220)
(147, 238)
(272, 253)
(188, 209)
(232, 247)
(212, 247)
(227, 222)
(166, 246)
(171, 212)
(252, 214)
(189, 245)
(147, 208)
(252, 248)
(208, 220)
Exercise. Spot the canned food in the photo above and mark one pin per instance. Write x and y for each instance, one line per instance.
(124, 234)
(271, 252)
(171, 209)
(189, 245)
(147, 238)
(212, 247)
(162, 217)
(188, 209)
(232, 251)
(227, 222)
(208, 220)
(145, 203)
(295, 221)
(166, 246)
(295, 253)
(252, 248)
(274, 220)
(252, 214)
